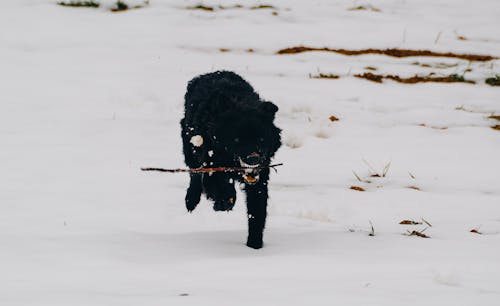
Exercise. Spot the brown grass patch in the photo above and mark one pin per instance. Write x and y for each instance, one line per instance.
(495, 81)
(222, 7)
(371, 68)
(357, 188)
(410, 222)
(224, 49)
(413, 187)
(92, 4)
(417, 233)
(475, 231)
(452, 78)
(364, 8)
(496, 127)
(263, 6)
(495, 117)
(201, 7)
(324, 76)
(394, 52)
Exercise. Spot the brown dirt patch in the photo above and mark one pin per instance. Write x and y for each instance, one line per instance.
(333, 118)
(496, 127)
(452, 78)
(357, 188)
(394, 52)
(495, 117)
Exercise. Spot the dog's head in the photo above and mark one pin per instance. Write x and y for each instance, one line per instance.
(250, 138)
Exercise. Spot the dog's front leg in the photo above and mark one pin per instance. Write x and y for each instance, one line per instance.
(219, 187)
(194, 190)
(257, 212)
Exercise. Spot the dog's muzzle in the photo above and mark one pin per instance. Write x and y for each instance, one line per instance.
(251, 163)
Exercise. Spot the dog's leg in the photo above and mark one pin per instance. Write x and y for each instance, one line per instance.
(257, 210)
(194, 190)
(219, 187)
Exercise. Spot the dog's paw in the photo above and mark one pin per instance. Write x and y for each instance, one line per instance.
(254, 243)
(192, 200)
(225, 205)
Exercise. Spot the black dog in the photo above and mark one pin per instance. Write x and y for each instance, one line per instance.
(226, 124)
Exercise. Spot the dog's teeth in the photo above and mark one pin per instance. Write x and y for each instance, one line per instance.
(245, 165)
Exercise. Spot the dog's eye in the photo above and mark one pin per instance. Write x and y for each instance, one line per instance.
(236, 140)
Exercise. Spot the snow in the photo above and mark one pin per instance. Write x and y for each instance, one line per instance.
(196, 140)
(90, 96)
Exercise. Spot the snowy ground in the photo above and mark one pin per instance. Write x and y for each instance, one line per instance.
(89, 96)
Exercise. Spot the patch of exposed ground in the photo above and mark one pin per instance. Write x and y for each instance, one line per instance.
(378, 78)
(119, 5)
(324, 76)
(364, 8)
(79, 4)
(390, 52)
(207, 8)
(433, 126)
(495, 81)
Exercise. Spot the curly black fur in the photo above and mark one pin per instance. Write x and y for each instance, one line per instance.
(237, 129)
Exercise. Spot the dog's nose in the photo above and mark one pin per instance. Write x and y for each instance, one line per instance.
(252, 159)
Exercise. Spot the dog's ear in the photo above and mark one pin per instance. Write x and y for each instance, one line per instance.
(269, 108)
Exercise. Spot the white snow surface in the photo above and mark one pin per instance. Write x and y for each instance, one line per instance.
(89, 96)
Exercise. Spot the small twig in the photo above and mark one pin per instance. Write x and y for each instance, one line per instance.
(437, 37)
(386, 169)
(211, 170)
(372, 232)
(370, 167)
(357, 176)
(423, 220)
(418, 233)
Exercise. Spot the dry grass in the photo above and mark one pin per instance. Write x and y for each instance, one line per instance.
(92, 4)
(433, 127)
(494, 81)
(201, 7)
(476, 231)
(324, 76)
(222, 7)
(410, 222)
(332, 118)
(413, 187)
(378, 78)
(364, 8)
(394, 52)
(417, 233)
(357, 188)
(496, 127)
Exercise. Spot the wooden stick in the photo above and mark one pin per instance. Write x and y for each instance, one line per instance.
(209, 170)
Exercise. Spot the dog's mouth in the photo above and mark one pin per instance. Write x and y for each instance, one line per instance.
(251, 174)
